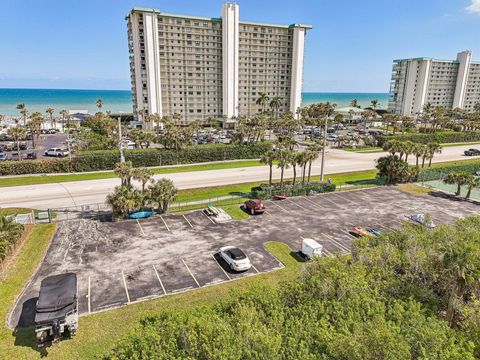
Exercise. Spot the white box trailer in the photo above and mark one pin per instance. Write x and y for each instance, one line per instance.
(311, 249)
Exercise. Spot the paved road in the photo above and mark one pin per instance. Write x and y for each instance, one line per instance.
(94, 191)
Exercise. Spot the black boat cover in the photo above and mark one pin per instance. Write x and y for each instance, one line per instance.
(57, 292)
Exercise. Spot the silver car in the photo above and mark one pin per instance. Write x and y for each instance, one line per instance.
(235, 258)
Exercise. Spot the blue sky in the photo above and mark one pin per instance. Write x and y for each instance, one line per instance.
(81, 44)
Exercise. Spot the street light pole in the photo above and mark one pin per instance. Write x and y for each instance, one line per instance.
(122, 156)
(322, 177)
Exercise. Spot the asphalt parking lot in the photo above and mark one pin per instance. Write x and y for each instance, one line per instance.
(129, 261)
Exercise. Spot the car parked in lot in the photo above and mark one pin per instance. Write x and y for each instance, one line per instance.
(359, 231)
(422, 219)
(255, 206)
(30, 155)
(3, 156)
(235, 258)
(57, 152)
(472, 152)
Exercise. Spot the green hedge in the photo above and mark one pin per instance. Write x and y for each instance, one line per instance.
(9, 238)
(438, 172)
(441, 137)
(106, 159)
(265, 192)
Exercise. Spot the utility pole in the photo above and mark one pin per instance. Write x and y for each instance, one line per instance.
(322, 177)
(122, 156)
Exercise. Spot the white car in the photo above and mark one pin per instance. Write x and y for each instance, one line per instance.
(57, 152)
(235, 258)
(422, 220)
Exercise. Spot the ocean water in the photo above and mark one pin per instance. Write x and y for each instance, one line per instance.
(120, 100)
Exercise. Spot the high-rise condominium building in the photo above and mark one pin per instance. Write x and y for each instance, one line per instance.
(449, 83)
(202, 67)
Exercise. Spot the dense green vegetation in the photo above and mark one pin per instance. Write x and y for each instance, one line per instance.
(439, 137)
(33, 180)
(407, 295)
(106, 159)
(265, 191)
(10, 235)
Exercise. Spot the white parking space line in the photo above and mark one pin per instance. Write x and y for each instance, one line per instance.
(220, 266)
(312, 202)
(300, 206)
(346, 232)
(254, 268)
(280, 207)
(126, 289)
(327, 252)
(164, 223)
(324, 197)
(336, 243)
(184, 263)
(159, 280)
(385, 227)
(88, 297)
(208, 217)
(189, 223)
(266, 212)
(345, 199)
(140, 226)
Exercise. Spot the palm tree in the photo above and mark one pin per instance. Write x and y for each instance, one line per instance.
(283, 157)
(23, 112)
(268, 158)
(374, 104)
(302, 161)
(124, 200)
(419, 151)
(125, 172)
(275, 104)
(458, 179)
(432, 148)
(471, 182)
(50, 111)
(312, 153)
(354, 103)
(64, 114)
(99, 104)
(295, 157)
(162, 192)
(143, 175)
(17, 133)
(408, 147)
(35, 125)
(263, 100)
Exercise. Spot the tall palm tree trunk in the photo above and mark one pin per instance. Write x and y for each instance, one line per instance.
(270, 176)
(294, 173)
(309, 171)
(304, 173)
(281, 177)
(467, 196)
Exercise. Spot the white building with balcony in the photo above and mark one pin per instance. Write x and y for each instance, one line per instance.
(448, 83)
(202, 67)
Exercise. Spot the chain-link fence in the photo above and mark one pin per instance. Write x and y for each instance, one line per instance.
(102, 211)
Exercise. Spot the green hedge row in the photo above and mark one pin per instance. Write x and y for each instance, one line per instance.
(106, 159)
(9, 238)
(441, 137)
(265, 192)
(437, 173)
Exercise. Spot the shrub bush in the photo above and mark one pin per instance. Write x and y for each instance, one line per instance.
(106, 159)
(264, 191)
(441, 137)
(10, 234)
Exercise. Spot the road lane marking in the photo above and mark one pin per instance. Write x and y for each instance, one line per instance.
(141, 229)
(161, 217)
(220, 266)
(187, 221)
(184, 263)
(126, 289)
(159, 280)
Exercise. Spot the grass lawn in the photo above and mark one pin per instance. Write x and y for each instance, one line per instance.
(461, 144)
(367, 149)
(47, 179)
(99, 332)
(413, 189)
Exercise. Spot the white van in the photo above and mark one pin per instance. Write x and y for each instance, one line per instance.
(311, 249)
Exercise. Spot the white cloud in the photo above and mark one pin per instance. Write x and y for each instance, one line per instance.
(474, 7)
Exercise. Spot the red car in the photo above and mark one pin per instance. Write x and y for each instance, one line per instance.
(255, 206)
